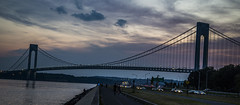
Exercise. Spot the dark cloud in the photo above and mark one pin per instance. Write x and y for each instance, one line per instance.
(24, 21)
(29, 13)
(121, 23)
(78, 4)
(60, 10)
(227, 28)
(120, 7)
(93, 16)
(16, 19)
(146, 16)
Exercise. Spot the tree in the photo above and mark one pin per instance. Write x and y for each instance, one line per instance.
(224, 79)
(193, 79)
(237, 82)
(152, 79)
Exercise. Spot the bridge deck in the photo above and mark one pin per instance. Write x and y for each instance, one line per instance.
(179, 70)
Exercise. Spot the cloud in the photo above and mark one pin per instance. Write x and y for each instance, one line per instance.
(25, 21)
(143, 15)
(121, 23)
(16, 19)
(93, 16)
(61, 10)
(78, 4)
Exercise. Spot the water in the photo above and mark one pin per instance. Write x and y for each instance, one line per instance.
(14, 92)
(122, 73)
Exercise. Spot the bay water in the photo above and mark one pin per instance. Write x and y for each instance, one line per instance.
(14, 92)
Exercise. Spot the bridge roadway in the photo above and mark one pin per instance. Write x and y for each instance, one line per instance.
(179, 70)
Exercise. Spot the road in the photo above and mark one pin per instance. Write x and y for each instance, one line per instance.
(108, 98)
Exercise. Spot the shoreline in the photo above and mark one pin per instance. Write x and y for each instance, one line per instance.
(78, 97)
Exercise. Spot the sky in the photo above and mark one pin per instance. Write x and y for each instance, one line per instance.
(97, 31)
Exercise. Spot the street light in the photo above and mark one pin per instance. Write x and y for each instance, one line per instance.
(134, 84)
(145, 77)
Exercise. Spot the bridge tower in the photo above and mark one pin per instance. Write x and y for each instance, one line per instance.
(202, 30)
(32, 47)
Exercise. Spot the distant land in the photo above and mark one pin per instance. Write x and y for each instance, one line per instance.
(22, 75)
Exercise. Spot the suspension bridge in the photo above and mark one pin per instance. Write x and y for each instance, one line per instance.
(199, 47)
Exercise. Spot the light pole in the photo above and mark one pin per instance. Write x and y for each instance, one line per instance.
(147, 78)
(134, 84)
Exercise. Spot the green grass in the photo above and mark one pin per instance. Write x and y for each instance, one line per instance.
(227, 95)
(162, 99)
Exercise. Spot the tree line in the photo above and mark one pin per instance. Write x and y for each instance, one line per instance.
(226, 78)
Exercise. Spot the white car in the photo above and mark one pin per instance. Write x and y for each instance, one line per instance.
(160, 89)
(201, 93)
(196, 92)
(192, 91)
(173, 90)
(178, 91)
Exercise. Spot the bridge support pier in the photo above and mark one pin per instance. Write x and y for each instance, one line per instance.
(202, 30)
(32, 47)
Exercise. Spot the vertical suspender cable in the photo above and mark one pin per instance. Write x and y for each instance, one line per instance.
(211, 49)
(222, 48)
(187, 52)
(215, 53)
(171, 57)
(219, 53)
(181, 56)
